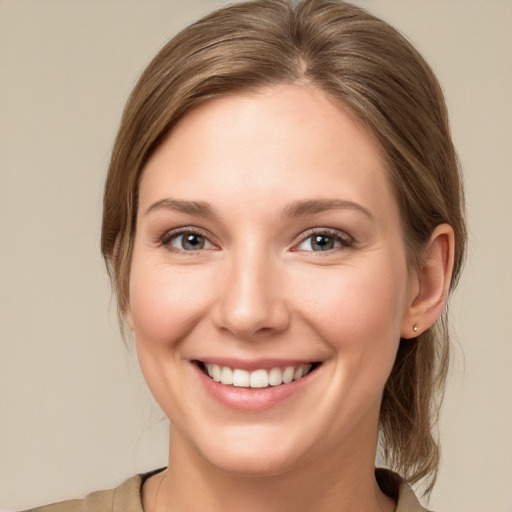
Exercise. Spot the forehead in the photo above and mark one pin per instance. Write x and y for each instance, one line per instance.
(281, 142)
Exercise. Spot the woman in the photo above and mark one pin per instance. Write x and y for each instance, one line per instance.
(283, 222)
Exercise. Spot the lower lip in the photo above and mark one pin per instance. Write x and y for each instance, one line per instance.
(252, 399)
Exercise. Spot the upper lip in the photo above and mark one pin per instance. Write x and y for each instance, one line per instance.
(255, 364)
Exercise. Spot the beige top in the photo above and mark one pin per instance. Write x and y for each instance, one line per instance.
(126, 497)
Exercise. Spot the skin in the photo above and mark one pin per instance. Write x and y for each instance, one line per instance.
(259, 289)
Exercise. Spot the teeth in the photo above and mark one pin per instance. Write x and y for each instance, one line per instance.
(288, 374)
(226, 375)
(275, 377)
(301, 371)
(216, 372)
(241, 378)
(258, 378)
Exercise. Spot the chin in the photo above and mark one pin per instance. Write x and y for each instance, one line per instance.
(252, 464)
(250, 453)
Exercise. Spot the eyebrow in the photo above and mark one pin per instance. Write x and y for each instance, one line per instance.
(191, 207)
(295, 209)
(313, 206)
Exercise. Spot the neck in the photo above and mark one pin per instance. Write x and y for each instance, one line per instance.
(342, 483)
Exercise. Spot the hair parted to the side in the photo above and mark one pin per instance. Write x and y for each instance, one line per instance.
(366, 66)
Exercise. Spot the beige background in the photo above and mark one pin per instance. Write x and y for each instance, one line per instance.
(74, 413)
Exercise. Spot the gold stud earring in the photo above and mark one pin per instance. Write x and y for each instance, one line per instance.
(415, 328)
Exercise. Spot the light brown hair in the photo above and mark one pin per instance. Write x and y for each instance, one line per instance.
(370, 69)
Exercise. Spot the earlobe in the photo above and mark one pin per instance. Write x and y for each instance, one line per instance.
(432, 283)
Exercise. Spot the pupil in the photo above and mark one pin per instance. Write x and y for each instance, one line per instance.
(322, 243)
(193, 242)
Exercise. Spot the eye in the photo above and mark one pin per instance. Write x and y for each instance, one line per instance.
(187, 241)
(321, 241)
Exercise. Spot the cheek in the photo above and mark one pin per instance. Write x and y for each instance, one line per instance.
(165, 304)
(357, 309)
(165, 307)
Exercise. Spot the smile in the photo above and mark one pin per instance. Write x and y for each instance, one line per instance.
(261, 378)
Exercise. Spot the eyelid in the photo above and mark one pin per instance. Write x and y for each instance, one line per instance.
(166, 238)
(344, 238)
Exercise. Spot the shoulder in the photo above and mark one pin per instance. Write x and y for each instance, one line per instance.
(407, 500)
(124, 498)
(395, 487)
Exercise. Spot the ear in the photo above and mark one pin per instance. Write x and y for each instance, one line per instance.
(430, 283)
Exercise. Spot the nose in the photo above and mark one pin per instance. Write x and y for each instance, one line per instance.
(251, 300)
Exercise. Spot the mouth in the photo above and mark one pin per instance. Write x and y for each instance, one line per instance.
(259, 378)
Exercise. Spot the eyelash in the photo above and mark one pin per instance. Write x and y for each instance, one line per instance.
(167, 239)
(344, 240)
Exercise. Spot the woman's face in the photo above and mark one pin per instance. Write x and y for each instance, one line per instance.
(268, 245)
